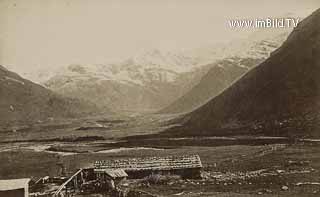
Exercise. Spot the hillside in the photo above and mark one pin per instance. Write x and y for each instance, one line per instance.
(280, 97)
(23, 101)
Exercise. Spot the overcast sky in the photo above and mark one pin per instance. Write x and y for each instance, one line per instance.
(55, 32)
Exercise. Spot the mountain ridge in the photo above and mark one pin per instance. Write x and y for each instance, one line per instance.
(23, 101)
(279, 97)
(152, 80)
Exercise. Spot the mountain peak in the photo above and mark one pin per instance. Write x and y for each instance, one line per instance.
(3, 68)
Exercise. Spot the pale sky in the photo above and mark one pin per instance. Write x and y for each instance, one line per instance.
(43, 33)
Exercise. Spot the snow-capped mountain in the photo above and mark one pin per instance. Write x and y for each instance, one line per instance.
(129, 85)
(152, 79)
(129, 70)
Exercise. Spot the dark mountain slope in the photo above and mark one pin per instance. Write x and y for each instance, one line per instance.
(23, 101)
(214, 82)
(279, 97)
(225, 72)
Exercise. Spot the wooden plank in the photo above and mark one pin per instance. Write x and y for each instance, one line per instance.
(65, 183)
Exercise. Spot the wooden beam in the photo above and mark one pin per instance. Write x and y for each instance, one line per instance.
(65, 183)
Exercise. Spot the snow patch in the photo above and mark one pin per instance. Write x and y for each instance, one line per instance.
(13, 80)
(117, 150)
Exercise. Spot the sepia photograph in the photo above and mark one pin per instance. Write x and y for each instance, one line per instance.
(159, 98)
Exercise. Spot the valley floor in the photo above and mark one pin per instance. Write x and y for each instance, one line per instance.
(249, 168)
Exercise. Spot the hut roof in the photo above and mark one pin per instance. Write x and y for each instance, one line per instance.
(113, 173)
(13, 184)
(152, 163)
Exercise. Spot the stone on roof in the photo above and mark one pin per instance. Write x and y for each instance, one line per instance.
(152, 163)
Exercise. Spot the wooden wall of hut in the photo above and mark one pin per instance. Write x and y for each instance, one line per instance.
(188, 173)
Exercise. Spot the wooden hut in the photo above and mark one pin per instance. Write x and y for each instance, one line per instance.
(187, 166)
(14, 188)
(110, 177)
